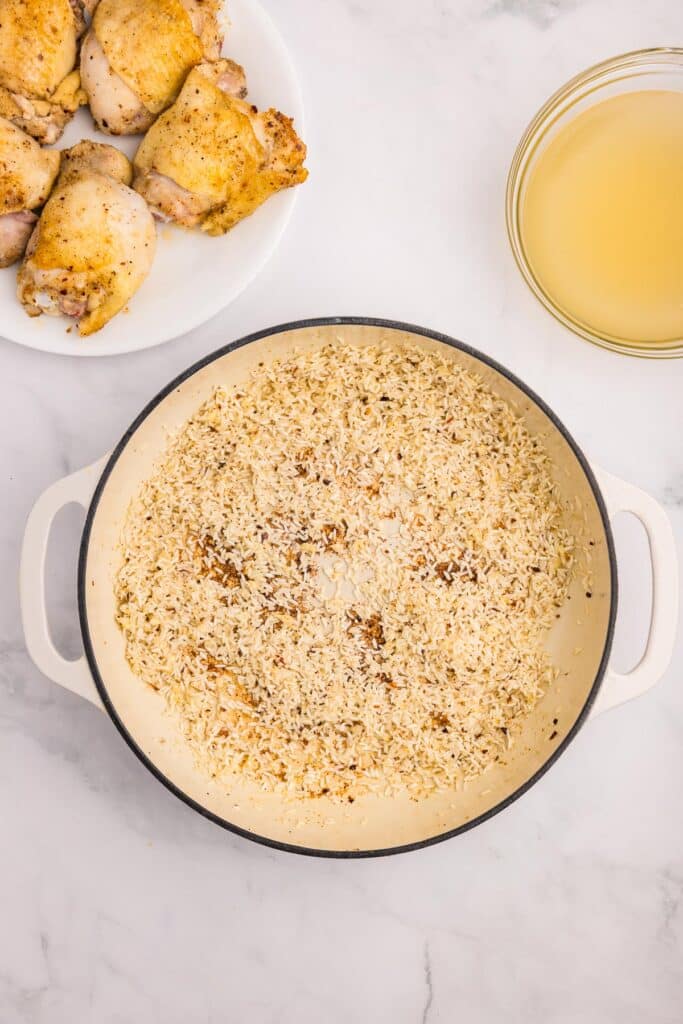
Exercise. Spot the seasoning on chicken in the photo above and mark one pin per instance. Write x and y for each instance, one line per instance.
(137, 54)
(212, 159)
(39, 88)
(27, 174)
(94, 243)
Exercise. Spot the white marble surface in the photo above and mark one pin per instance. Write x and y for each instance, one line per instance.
(117, 903)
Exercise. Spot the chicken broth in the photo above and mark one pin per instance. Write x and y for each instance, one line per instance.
(602, 218)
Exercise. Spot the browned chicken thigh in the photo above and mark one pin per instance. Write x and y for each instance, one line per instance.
(137, 54)
(94, 243)
(212, 159)
(27, 173)
(39, 88)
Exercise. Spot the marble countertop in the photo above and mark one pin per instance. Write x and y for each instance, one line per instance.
(118, 903)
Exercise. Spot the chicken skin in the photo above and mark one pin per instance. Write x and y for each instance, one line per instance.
(137, 54)
(94, 243)
(27, 174)
(212, 159)
(39, 88)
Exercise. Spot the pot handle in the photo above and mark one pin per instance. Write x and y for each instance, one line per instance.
(619, 496)
(72, 675)
(617, 688)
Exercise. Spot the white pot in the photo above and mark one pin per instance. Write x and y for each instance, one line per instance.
(580, 643)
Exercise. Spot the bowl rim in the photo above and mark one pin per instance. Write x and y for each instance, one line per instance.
(100, 684)
(554, 107)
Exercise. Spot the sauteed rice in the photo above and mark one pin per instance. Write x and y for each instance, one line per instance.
(341, 576)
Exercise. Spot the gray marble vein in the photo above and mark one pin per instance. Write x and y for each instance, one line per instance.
(429, 984)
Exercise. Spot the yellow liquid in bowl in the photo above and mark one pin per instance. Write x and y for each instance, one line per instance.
(602, 218)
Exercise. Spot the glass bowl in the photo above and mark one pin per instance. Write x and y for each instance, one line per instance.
(660, 68)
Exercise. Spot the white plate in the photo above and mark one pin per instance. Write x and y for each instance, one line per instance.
(193, 276)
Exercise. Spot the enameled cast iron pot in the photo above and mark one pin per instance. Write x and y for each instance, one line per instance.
(580, 642)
